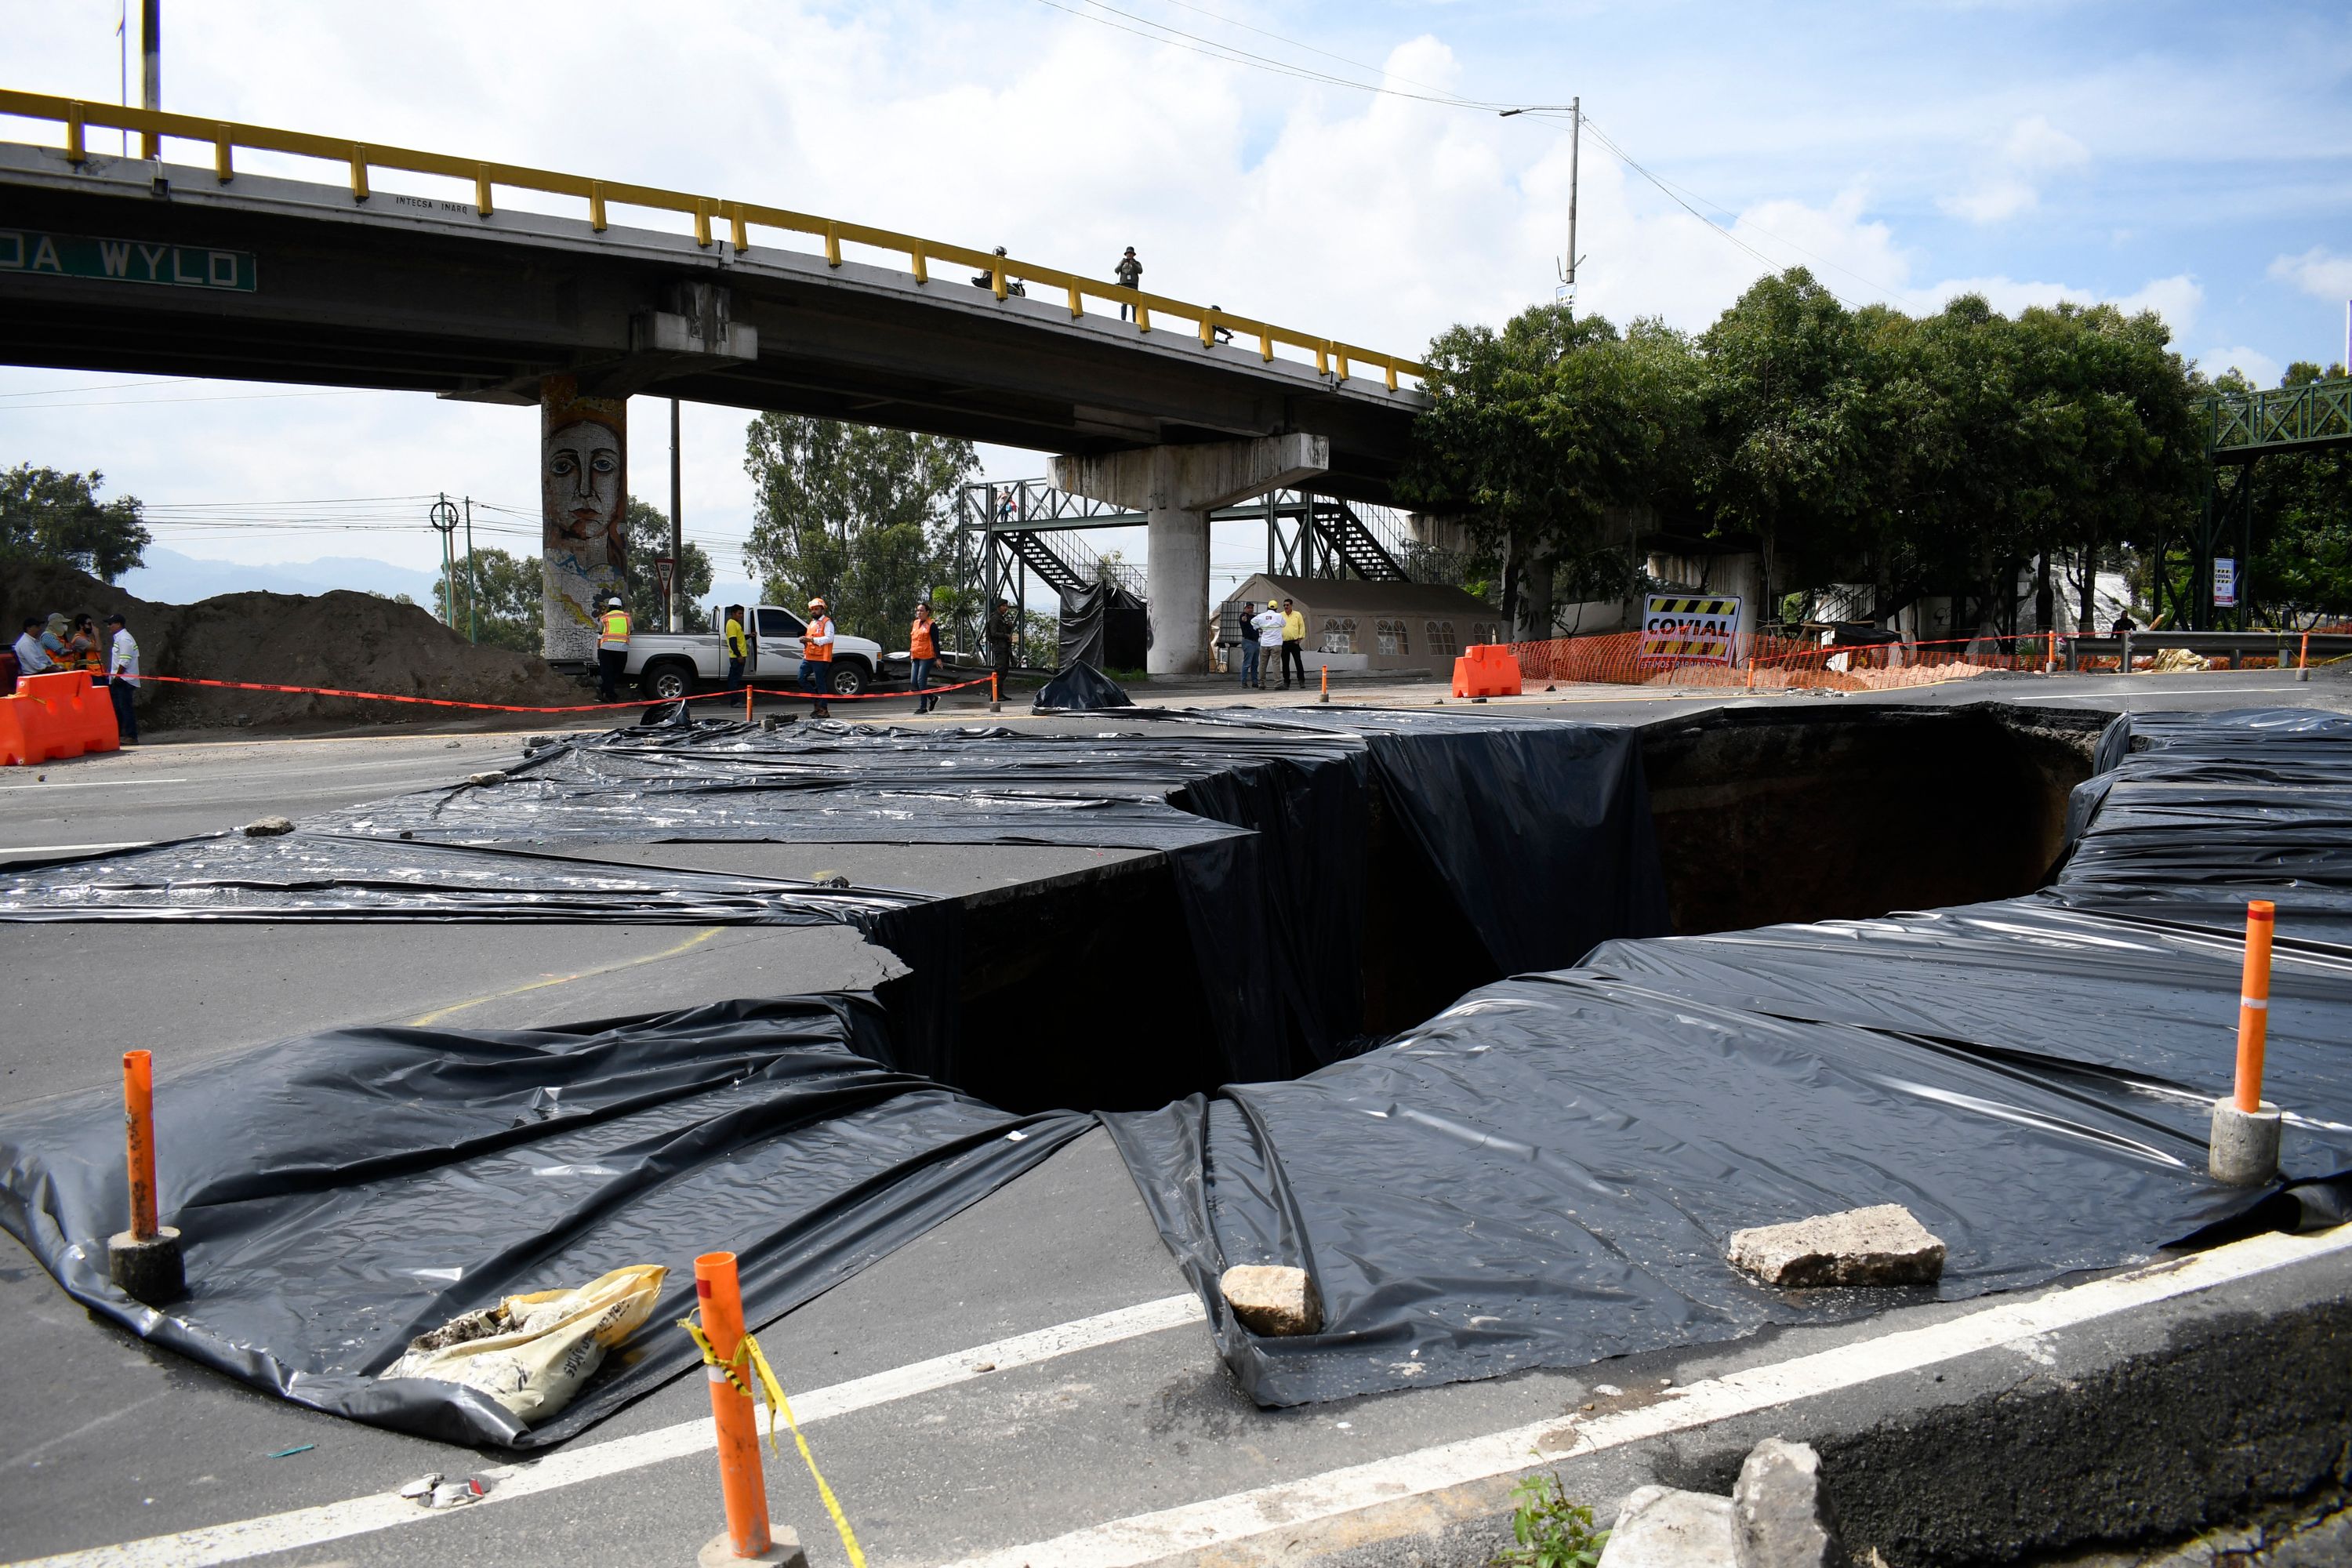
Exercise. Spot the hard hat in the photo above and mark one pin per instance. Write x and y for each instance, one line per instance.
(817, 603)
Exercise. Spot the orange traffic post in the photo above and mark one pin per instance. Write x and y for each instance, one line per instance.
(1327, 684)
(740, 1482)
(2254, 1003)
(996, 694)
(2302, 660)
(747, 702)
(144, 1261)
(2244, 1147)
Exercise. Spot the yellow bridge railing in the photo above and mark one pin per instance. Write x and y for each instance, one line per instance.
(226, 139)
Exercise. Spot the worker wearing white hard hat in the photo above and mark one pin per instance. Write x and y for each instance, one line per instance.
(817, 657)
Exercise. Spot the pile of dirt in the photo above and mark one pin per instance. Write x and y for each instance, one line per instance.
(353, 642)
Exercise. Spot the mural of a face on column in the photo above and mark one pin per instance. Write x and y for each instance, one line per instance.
(584, 483)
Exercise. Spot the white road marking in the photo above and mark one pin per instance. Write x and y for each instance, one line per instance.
(1193, 1527)
(90, 784)
(307, 1527)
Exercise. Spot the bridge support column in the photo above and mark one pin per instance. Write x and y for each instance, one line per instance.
(584, 483)
(1176, 488)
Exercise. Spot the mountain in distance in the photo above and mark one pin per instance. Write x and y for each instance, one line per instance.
(168, 577)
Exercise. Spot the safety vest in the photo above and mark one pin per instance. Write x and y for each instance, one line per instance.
(736, 646)
(613, 631)
(921, 643)
(814, 651)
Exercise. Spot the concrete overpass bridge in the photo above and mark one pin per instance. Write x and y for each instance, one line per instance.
(150, 266)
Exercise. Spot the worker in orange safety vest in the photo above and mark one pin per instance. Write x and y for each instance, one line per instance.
(923, 654)
(816, 658)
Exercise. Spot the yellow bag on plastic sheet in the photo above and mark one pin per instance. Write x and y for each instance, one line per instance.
(532, 1352)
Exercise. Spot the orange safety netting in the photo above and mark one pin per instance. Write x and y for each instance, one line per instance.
(1774, 663)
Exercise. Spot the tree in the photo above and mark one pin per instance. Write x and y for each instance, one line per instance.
(1538, 433)
(46, 515)
(507, 609)
(646, 531)
(1783, 399)
(2301, 571)
(858, 516)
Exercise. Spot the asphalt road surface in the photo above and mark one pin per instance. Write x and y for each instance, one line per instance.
(1028, 1380)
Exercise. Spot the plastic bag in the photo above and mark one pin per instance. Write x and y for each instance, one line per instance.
(532, 1352)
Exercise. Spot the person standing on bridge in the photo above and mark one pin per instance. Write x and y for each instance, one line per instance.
(122, 679)
(612, 649)
(738, 647)
(1294, 644)
(1130, 276)
(816, 658)
(923, 653)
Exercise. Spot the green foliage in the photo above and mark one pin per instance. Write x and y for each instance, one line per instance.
(1932, 456)
(646, 533)
(46, 515)
(1038, 642)
(1552, 1531)
(505, 593)
(859, 516)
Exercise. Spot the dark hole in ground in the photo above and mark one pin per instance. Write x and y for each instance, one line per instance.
(1089, 997)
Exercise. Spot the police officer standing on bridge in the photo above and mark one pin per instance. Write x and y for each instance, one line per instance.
(612, 649)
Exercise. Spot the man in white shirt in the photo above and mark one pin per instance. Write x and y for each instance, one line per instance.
(32, 659)
(1267, 623)
(122, 679)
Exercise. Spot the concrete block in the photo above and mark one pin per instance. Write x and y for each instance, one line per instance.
(147, 1270)
(2244, 1147)
(268, 827)
(1884, 1245)
(1659, 1527)
(1271, 1299)
(1780, 1517)
(783, 1551)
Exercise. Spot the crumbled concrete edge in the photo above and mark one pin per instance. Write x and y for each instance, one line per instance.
(2051, 1465)
(1880, 1246)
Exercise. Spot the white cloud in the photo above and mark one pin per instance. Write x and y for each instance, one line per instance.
(2032, 152)
(2252, 363)
(2317, 271)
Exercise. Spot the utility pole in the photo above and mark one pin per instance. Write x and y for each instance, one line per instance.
(473, 584)
(677, 609)
(1565, 293)
(150, 70)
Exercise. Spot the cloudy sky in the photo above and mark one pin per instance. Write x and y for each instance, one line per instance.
(2193, 157)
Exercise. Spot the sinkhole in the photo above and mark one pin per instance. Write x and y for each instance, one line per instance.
(1087, 994)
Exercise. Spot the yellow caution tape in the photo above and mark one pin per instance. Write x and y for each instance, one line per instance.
(748, 1349)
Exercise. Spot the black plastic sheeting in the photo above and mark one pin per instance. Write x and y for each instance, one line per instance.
(1265, 822)
(1546, 1173)
(341, 1193)
(1080, 688)
(1104, 626)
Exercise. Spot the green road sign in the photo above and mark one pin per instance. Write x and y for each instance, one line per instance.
(127, 261)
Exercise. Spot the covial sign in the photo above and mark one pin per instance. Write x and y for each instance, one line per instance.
(1690, 628)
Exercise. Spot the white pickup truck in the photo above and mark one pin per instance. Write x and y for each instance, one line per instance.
(680, 664)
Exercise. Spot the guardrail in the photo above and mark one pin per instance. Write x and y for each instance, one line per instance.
(226, 139)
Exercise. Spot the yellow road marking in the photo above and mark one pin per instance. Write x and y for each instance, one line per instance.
(440, 1013)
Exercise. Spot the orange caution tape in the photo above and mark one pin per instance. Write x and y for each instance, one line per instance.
(787, 692)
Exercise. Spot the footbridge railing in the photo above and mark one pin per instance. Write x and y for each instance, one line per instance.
(710, 214)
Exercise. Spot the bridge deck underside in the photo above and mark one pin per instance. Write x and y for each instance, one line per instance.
(431, 297)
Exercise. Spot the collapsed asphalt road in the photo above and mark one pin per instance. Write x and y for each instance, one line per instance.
(1113, 1408)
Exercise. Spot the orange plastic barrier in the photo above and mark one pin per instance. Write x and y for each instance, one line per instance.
(54, 716)
(1488, 669)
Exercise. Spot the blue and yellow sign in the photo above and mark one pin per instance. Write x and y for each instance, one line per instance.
(24, 250)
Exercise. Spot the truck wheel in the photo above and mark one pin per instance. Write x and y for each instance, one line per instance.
(671, 681)
(849, 678)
